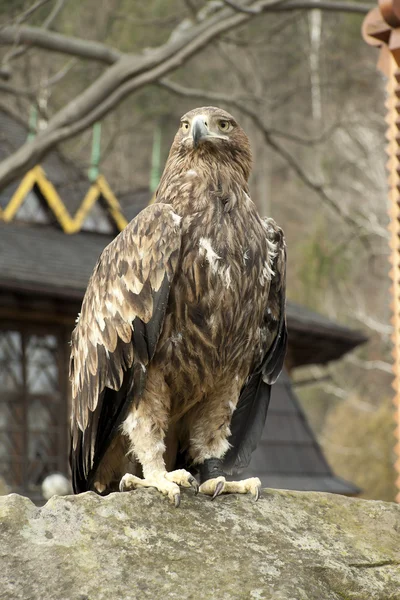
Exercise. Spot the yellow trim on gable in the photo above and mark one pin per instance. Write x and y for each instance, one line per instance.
(19, 196)
(70, 224)
(112, 202)
(54, 201)
(82, 212)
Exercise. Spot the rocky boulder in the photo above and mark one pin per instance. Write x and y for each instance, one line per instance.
(287, 546)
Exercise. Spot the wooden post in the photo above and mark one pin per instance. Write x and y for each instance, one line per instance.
(381, 28)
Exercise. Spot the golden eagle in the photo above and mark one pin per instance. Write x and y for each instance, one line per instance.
(182, 329)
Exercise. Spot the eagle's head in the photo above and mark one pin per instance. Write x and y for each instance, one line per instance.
(212, 135)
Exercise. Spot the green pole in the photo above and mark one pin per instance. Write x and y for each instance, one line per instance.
(93, 172)
(155, 160)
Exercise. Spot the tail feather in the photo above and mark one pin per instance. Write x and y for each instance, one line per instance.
(247, 423)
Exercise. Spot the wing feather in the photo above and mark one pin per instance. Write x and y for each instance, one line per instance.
(117, 332)
(248, 420)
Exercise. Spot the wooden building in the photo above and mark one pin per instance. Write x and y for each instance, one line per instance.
(54, 223)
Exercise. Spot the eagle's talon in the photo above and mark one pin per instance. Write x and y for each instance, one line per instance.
(218, 485)
(193, 482)
(218, 489)
(124, 483)
(177, 500)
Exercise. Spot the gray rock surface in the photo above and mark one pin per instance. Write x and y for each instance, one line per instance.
(288, 546)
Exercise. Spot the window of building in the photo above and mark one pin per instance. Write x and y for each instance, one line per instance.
(33, 406)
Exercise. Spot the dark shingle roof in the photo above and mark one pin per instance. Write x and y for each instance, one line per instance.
(47, 260)
(289, 456)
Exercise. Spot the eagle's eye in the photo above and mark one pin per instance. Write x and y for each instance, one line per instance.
(224, 125)
(185, 126)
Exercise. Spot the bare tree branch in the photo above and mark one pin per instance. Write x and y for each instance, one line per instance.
(383, 329)
(152, 22)
(57, 42)
(29, 12)
(248, 10)
(311, 380)
(286, 5)
(369, 365)
(54, 14)
(323, 137)
(127, 74)
(50, 40)
(5, 72)
(333, 5)
(191, 9)
(9, 89)
(57, 77)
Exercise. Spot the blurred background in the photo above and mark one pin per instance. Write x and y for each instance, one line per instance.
(304, 86)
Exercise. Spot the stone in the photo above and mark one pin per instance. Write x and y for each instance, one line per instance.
(134, 545)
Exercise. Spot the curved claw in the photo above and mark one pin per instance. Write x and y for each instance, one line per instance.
(257, 493)
(194, 484)
(123, 487)
(218, 489)
(177, 500)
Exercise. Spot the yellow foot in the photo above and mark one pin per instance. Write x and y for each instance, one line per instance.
(166, 483)
(219, 485)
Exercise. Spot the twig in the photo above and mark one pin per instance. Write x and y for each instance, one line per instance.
(286, 5)
(325, 135)
(251, 41)
(56, 78)
(50, 40)
(369, 365)
(25, 15)
(334, 6)
(311, 380)
(9, 89)
(252, 11)
(54, 14)
(153, 22)
(191, 9)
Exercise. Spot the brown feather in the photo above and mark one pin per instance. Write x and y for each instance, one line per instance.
(102, 350)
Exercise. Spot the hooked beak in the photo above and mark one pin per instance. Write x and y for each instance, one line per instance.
(199, 130)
